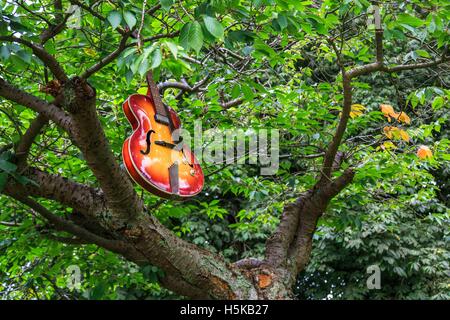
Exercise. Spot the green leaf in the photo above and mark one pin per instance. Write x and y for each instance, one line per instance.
(129, 76)
(173, 48)
(7, 166)
(166, 4)
(431, 26)
(4, 52)
(156, 58)
(3, 180)
(438, 102)
(191, 36)
(213, 26)
(143, 67)
(409, 20)
(99, 291)
(130, 19)
(423, 53)
(282, 21)
(248, 93)
(115, 18)
(24, 55)
(240, 36)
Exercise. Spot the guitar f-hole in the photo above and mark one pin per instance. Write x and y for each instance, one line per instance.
(147, 139)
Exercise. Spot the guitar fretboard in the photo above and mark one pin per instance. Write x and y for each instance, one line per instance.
(159, 106)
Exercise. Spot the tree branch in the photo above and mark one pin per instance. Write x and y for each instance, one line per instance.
(108, 59)
(123, 202)
(53, 30)
(333, 147)
(155, 37)
(68, 226)
(68, 240)
(80, 197)
(50, 111)
(122, 46)
(347, 76)
(43, 55)
(10, 224)
(25, 143)
(183, 86)
(232, 103)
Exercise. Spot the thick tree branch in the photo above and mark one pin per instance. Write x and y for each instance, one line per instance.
(50, 111)
(278, 243)
(309, 213)
(43, 55)
(333, 147)
(248, 263)
(90, 138)
(68, 226)
(60, 20)
(78, 196)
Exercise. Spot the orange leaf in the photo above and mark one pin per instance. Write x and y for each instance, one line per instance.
(403, 117)
(264, 280)
(395, 133)
(404, 135)
(424, 152)
(387, 109)
(388, 132)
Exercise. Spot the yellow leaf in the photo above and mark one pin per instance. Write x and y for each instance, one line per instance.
(357, 110)
(388, 145)
(395, 133)
(404, 135)
(90, 52)
(388, 132)
(424, 152)
(389, 112)
(387, 109)
(403, 117)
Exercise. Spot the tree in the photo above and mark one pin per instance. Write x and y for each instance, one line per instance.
(66, 65)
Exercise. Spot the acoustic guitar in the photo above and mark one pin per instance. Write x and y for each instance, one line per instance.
(153, 159)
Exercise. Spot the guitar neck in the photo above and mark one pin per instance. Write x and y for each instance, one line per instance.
(154, 93)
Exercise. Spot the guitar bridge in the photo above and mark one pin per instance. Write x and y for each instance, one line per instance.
(173, 176)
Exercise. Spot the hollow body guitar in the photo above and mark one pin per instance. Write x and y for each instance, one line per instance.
(153, 159)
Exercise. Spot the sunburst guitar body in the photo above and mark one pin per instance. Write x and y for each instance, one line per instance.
(153, 159)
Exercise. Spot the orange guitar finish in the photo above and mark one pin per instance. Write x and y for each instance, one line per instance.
(149, 154)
